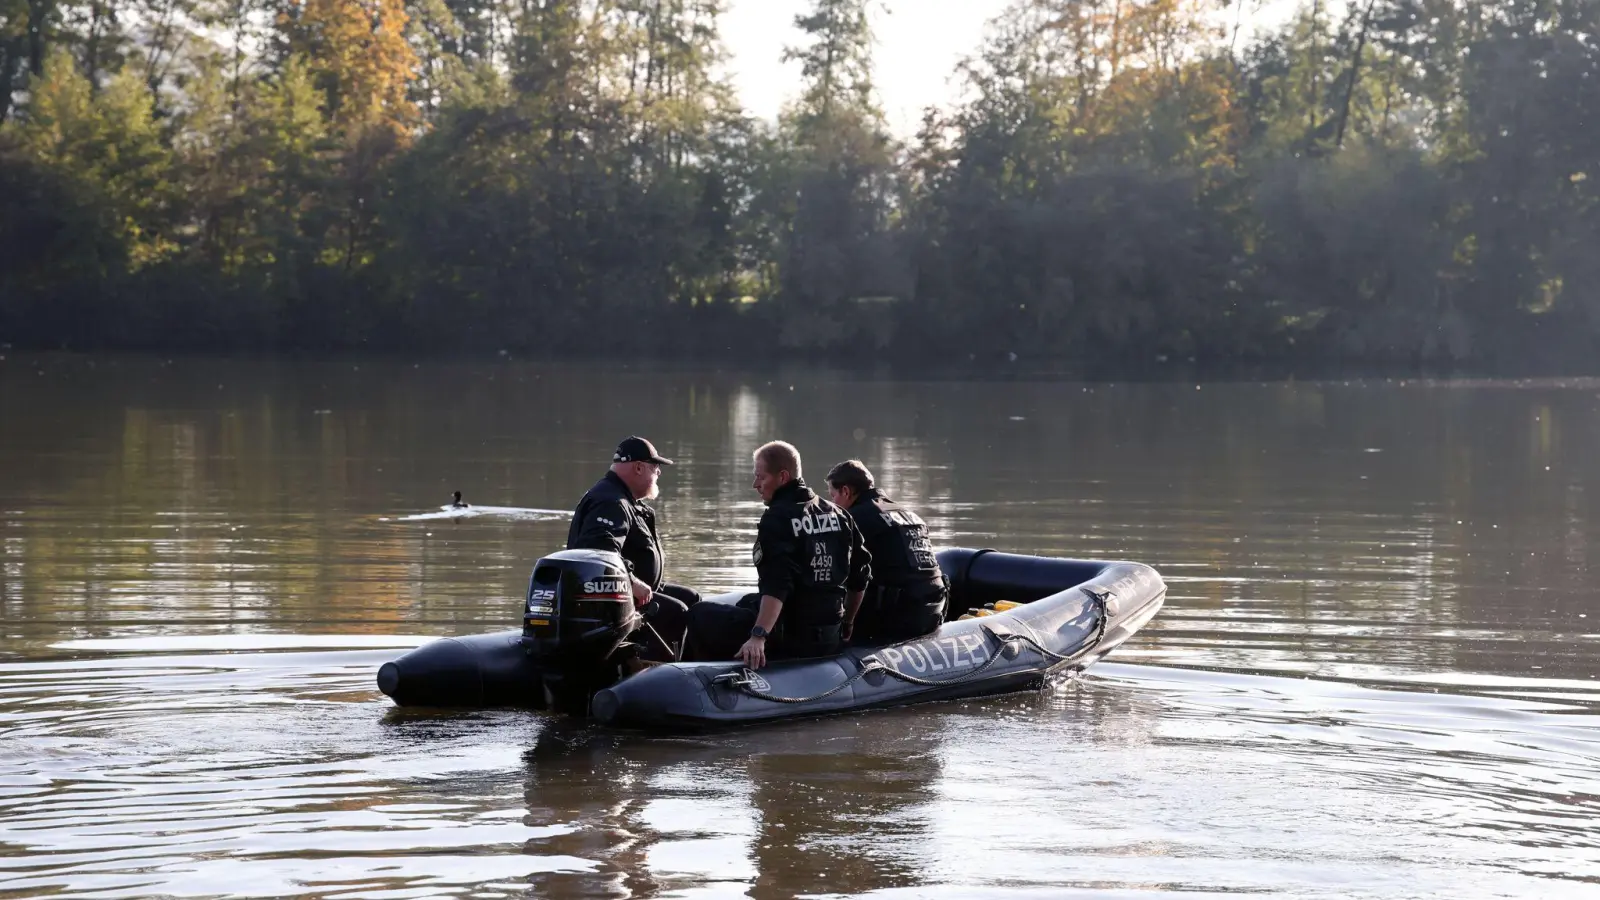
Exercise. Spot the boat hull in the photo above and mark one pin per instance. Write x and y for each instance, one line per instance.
(1073, 613)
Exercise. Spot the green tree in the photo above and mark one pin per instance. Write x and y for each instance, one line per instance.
(109, 150)
(836, 248)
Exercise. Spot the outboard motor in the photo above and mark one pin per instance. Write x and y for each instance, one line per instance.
(576, 623)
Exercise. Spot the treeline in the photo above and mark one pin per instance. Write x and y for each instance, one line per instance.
(1385, 182)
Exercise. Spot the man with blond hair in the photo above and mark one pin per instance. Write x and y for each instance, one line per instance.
(811, 567)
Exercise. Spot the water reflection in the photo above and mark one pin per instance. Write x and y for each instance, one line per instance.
(841, 805)
(583, 782)
(1319, 539)
(783, 810)
(176, 770)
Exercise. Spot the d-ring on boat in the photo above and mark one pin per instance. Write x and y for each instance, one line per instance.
(578, 618)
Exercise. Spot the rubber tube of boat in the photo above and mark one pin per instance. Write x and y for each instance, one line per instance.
(987, 576)
(475, 671)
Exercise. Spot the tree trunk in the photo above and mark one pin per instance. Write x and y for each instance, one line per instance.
(10, 56)
(1355, 73)
(38, 12)
(1316, 68)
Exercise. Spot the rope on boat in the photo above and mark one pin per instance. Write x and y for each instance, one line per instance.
(744, 679)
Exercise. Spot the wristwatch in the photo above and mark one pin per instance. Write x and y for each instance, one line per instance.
(758, 632)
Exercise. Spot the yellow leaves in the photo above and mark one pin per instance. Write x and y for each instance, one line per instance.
(361, 59)
(146, 249)
(1549, 292)
(1124, 79)
(59, 108)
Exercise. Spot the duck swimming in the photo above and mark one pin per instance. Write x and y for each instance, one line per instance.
(456, 502)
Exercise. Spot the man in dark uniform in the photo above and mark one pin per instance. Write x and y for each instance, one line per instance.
(613, 516)
(811, 565)
(908, 595)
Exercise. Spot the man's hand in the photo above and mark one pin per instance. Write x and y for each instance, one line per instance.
(641, 593)
(754, 653)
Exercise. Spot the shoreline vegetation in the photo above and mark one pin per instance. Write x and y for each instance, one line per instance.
(1129, 186)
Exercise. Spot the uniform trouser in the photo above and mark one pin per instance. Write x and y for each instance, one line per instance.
(666, 619)
(892, 615)
(718, 630)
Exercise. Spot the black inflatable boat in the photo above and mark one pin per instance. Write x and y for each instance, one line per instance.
(578, 619)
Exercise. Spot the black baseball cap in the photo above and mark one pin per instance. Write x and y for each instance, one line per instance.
(637, 449)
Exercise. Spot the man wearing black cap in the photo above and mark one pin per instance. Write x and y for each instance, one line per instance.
(613, 516)
(907, 596)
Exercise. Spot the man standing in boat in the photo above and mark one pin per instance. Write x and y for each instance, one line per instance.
(908, 594)
(613, 516)
(812, 568)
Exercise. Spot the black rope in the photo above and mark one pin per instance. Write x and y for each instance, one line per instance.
(1081, 652)
(742, 679)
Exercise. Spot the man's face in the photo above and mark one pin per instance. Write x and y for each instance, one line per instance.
(649, 475)
(767, 483)
(840, 495)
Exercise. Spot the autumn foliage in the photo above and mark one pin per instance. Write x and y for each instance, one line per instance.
(359, 55)
(1123, 185)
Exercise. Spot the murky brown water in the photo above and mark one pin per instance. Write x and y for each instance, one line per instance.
(1375, 675)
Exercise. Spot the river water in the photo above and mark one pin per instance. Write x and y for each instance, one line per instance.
(1375, 674)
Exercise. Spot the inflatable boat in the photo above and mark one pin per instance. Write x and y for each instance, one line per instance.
(1031, 619)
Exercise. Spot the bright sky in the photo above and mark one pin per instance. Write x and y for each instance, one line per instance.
(919, 43)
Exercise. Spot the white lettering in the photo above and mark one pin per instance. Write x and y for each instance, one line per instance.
(938, 654)
(821, 563)
(606, 586)
(918, 658)
(813, 524)
(957, 649)
(540, 602)
(976, 647)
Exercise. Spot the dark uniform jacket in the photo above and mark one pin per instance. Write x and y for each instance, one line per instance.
(609, 518)
(902, 556)
(908, 595)
(810, 555)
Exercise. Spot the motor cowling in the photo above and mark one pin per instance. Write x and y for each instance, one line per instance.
(578, 615)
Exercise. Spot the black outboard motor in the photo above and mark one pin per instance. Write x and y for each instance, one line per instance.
(576, 623)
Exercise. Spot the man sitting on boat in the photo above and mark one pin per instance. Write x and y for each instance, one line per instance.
(613, 516)
(812, 568)
(907, 596)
